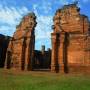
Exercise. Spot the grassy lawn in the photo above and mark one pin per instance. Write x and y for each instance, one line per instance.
(10, 80)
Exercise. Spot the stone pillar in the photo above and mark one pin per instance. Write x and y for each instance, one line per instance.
(8, 59)
(30, 42)
(9, 55)
(63, 53)
(23, 54)
(59, 52)
(28, 55)
(54, 57)
(18, 56)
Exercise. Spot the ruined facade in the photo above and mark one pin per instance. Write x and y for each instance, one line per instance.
(21, 47)
(70, 40)
(70, 43)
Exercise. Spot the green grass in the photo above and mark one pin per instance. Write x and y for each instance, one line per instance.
(10, 80)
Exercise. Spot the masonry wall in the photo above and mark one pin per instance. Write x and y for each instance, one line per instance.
(70, 39)
(21, 47)
(76, 54)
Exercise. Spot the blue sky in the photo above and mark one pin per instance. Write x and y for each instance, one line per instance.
(11, 12)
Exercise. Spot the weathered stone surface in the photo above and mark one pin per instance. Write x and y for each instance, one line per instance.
(21, 47)
(70, 43)
(70, 40)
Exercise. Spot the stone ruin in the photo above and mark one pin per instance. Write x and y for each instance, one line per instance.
(20, 51)
(70, 43)
(70, 40)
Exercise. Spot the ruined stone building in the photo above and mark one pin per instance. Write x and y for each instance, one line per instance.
(70, 40)
(21, 47)
(21, 53)
(70, 43)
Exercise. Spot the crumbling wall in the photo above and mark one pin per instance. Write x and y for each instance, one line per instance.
(69, 40)
(21, 47)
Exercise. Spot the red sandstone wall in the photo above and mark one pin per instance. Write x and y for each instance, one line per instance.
(21, 47)
(70, 19)
(70, 42)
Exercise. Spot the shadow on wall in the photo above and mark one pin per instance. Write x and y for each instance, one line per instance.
(4, 41)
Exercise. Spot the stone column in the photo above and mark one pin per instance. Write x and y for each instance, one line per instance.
(8, 59)
(65, 52)
(61, 52)
(23, 54)
(30, 51)
(28, 55)
(18, 59)
(33, 48)
(54, 57)
(9, 55)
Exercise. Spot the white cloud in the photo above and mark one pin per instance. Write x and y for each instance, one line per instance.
(44, 22)
(6, 30)
(10, 16)
(62, 2)
(35, 6)
(43, 29)
(46, 7)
